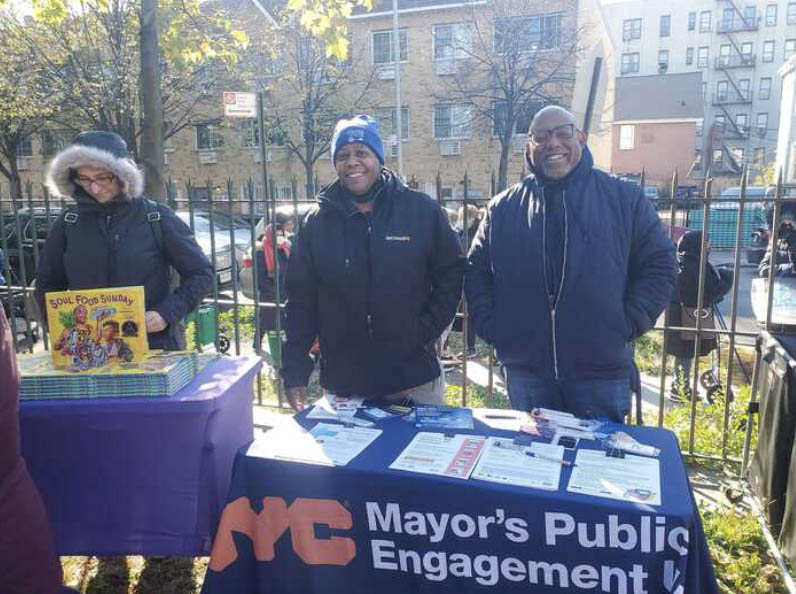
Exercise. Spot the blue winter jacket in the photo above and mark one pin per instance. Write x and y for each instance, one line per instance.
(618, 271)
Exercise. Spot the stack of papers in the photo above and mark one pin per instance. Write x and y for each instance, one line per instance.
(632, 478)
(160, 375)
(324, 444)
(441, 454)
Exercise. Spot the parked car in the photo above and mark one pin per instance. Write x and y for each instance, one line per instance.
(223, 254)
(41, 223)
(246, 275)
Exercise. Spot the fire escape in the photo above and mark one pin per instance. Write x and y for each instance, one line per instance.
(733, 21)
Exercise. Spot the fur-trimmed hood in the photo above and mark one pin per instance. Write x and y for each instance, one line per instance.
(59, 172)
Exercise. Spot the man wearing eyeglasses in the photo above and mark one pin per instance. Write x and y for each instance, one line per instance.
(567, 268)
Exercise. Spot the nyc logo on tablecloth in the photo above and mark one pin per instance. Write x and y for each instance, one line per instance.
(265, 528)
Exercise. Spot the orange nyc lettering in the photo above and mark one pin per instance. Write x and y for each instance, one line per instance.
(265, 528)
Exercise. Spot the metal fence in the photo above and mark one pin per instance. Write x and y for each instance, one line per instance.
(229, 218)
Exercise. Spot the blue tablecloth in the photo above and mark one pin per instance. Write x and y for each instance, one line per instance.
(365, 528)
(140, 476)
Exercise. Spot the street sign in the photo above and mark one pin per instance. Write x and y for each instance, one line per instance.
(239, 105)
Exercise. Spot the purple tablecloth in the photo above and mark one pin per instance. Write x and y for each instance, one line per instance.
(140, 476)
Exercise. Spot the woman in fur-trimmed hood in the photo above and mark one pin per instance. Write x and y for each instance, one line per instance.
(115, 237)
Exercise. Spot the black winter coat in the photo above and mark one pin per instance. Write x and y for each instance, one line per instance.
(376, 290)
(114, 245)
(686, 292)
(617, 274)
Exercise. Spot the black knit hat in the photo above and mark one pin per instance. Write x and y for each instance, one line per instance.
(105, 141)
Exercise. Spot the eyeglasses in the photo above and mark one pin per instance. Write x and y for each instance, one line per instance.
(100, 180)
(563, 132)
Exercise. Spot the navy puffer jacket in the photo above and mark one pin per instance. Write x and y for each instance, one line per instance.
(618, 272)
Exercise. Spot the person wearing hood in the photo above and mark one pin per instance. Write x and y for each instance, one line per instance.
(568, 267)
(376, 274)
(717, 283)
(116, 237)
(268, 264)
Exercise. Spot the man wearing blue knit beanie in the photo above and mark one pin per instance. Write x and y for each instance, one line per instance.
(376, 275)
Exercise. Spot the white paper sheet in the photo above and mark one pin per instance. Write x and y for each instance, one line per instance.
(500, 418)
(503, 461)
(324, 444)
(440, 454)
(632, 478)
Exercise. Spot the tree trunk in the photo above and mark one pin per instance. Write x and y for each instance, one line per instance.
(152, 108)
(503, 165)
(310, 179)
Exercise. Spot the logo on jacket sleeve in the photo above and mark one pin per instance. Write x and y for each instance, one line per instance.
(265, 528)
(403, 238)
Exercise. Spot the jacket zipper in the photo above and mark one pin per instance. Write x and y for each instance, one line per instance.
(553, 299)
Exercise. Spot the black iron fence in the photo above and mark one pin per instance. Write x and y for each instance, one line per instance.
(229, 221)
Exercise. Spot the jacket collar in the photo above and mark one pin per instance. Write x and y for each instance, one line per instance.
(581, 170)
(333, 196)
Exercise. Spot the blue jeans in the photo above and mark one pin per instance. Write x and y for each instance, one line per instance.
(588, 399)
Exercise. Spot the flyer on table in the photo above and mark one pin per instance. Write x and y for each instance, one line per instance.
(632, 478)
(441, 454)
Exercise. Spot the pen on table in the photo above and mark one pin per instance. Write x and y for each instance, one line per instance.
(500, 417)
(549, 458)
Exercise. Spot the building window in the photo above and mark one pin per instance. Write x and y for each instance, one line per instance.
(631, 29)
(382, 46)
(740, 121)
(666, 25)
(704, 90)
(627, 137)
(704, 21)
(790, 48)
(702, 57)
(760, 156)
(721, 91)
(743, 88)
(386, 117)
(208, 137)
(700, 125)
(25, 147)
(737, 155)
(698, 160)
(718, 158)
(724, 54)
(523, 120)
(721, 122)
(771, 15)
(528, 33)
(747, 47)
(791, 18)
(53, 141)
(689, 56)
(768, 51)
(765, 88)
(663, 61)
(750, 16)
(630, 63)
(451, 121)
(762, 123)
(250, 133)
(691, 21)
(451, 41)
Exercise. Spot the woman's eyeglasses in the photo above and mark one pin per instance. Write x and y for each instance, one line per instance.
(101, 180)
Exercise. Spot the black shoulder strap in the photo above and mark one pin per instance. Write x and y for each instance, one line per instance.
(153, 217)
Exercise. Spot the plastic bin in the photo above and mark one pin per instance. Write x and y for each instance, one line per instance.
(205, 324)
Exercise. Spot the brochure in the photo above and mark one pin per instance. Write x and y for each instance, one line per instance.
(432, 416)
(632, 478)
(441, 454)
(324, 444)
(537, 466)
(336, 408)
(500, 418)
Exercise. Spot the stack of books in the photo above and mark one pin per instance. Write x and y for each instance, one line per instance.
(160, 375)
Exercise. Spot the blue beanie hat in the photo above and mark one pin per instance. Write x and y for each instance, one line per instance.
(361, 128)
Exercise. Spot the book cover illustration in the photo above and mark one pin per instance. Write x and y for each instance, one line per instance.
(94, 327)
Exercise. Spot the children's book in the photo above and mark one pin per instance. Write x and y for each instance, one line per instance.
(96, 327)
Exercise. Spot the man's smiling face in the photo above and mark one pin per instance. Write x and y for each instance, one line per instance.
(555, 145)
